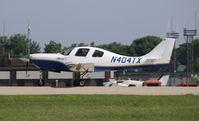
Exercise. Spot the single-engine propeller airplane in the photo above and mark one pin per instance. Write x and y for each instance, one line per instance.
(90, 59)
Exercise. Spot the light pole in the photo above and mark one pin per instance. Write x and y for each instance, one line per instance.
(189, 35)
(174, 35)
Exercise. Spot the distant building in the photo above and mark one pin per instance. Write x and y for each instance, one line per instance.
(13, 72)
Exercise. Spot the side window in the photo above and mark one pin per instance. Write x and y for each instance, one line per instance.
(98, 53)
(82, 52)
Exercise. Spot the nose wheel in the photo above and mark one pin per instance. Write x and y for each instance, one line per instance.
(43, 77)
(41, 82)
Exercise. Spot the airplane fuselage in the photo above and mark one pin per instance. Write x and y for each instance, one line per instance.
(101, 60)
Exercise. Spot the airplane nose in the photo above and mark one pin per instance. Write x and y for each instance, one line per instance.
(34, 56)
(44, 56)
(31, 56)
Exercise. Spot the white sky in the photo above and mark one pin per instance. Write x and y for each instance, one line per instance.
(101, 21)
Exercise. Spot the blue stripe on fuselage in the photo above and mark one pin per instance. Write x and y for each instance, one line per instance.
(50, 65)
(130, 67)
(58, 66)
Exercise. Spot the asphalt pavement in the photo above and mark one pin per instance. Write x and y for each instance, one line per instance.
(99, 90)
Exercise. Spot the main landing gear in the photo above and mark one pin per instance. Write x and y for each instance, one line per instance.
(78, 78)
(80, 82)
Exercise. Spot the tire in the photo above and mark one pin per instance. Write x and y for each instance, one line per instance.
(82, 83)
(41, 83)
(132, 85)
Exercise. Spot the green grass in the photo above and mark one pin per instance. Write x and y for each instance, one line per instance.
(99, 108)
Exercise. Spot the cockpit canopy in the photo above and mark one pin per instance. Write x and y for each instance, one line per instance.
(83, 52)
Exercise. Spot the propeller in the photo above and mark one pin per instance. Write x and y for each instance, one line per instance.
(27, 64)
(27, 61)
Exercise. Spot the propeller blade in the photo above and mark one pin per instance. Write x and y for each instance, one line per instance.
(27, 64)
(24, 59)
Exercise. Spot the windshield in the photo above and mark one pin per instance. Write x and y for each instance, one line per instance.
(67, 51)
(82, 52)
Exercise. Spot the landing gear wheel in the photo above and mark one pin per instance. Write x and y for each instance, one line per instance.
(41, 83)
(82, 83)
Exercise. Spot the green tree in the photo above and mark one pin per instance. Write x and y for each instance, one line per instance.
(16, 45)
(115, 47)
(142, 46)
(3, 45)
(92, 44)
(181, 54)
(196, 65)
(66, 50)
(53, 47)
(196, 54)
(81, 45)
(34, 47)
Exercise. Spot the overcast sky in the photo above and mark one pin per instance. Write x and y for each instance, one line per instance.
(101, 21)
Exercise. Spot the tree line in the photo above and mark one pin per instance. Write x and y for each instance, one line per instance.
(16, 46)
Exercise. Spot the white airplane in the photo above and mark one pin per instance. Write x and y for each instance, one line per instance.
(129, 83)
(163, 79)
(90, 59)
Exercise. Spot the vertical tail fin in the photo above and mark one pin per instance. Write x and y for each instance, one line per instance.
(163, 50)
(164, 80)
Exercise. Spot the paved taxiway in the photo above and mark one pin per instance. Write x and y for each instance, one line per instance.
(100, 90)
